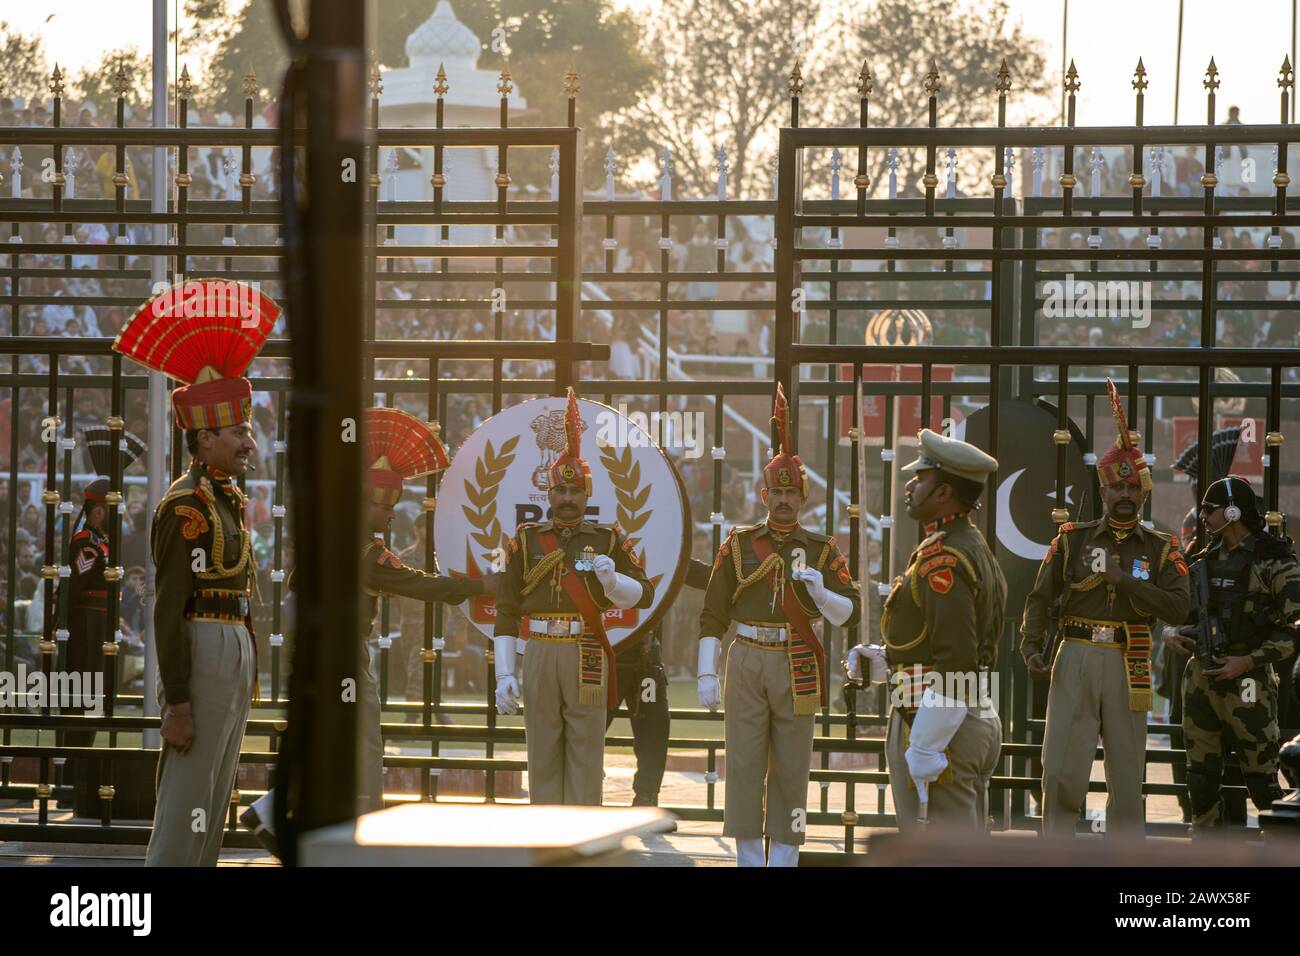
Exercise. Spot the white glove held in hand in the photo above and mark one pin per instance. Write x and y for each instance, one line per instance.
(707, 686)
(812, 580)
(603, 566)
(924, 766)
(877, 665)
(507, 684)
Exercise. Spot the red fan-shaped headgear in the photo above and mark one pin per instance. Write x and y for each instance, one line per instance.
(399, 446)
(570, 468)
(205, 333)
(1124, 462)
(784, 469)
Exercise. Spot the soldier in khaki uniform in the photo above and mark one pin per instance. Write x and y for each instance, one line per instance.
(772, 580)
(203, 555)
(562, 575)
(399, 447)
(1255, 600)
(1108, 582)
(941, 624)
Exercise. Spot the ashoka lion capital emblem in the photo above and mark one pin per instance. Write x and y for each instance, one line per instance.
(549, 432)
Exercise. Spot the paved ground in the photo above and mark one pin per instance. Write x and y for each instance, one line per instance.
(694, 843)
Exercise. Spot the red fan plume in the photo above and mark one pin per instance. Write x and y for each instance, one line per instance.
(403, 443)
(781, 417)
(573, 426)
(1125, 440)
(200, 330)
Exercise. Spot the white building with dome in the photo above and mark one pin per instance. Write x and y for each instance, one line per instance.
(472, 99)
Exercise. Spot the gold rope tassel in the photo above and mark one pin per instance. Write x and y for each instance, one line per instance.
(772, 561)
(539, 571)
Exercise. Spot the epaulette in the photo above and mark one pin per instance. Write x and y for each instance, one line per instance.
(175, 493)
(932, 544)
(1078, 525)
(815, 537)
(743, 528)
(83, 533)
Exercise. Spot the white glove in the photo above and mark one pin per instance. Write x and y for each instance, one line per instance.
(603, 565)
(924, 766)
(836, 608)
(622, 591)
(936, 721)
(812, 580)
(877, 665)
(507, 684)
(707, 686)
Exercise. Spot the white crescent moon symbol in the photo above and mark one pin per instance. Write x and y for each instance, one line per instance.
(1009, 535)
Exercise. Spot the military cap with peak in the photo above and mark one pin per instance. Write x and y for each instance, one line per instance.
(955, 457)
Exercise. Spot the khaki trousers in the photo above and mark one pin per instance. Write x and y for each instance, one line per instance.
(566, 739)
(194, 788)
(972, 757)
(768, 747)
(1089, 698)
(370, 767)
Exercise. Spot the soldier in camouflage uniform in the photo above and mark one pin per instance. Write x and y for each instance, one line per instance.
(1255, 595)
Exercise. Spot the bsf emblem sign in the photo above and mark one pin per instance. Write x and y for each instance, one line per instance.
(493, 485)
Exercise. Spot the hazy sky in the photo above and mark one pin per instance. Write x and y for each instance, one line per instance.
(1247, 39)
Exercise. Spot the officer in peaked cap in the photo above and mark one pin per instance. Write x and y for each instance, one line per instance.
(941, 625)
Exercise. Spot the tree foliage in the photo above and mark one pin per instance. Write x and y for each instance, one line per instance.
(725, 74)
(98, 84)
(23, 69)
(542, 38)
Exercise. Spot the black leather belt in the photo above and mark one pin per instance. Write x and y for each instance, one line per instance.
(222, 606)
(1084, 633)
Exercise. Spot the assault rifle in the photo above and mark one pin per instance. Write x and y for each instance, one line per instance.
(1211, 642)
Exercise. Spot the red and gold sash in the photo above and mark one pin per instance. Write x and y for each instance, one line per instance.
(593, 668)
(808, 680)
(1137, 664)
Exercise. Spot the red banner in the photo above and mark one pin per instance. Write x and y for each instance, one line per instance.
(1249, 462)
(907, 410)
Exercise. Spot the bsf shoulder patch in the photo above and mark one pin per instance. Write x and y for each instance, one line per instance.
(941, 581)
(840, 565)
(937, 562)
(195, 522)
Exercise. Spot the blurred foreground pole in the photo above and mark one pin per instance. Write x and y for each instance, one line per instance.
(323, 111)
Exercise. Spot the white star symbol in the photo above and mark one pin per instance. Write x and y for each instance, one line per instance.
(1068, 499)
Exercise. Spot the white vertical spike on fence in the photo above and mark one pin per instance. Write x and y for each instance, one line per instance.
(835, 173)
(666, 175)
(892, 165)
(16, 168)
(555, 173)
(1009, 165)
(1157, 167)
(1095, 162)
(723, 167)
(1036, 158)
(1219, 154)
(951, 163)
(609, 174)
(390, 180)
